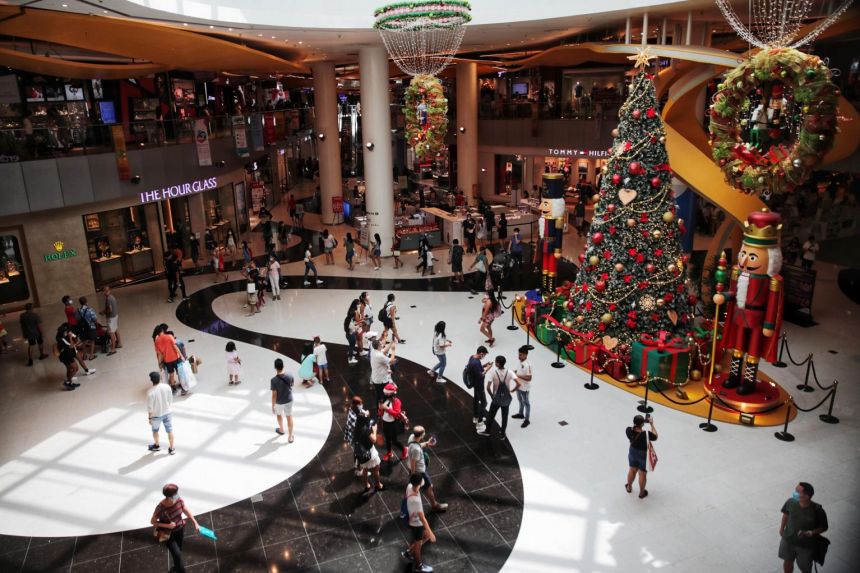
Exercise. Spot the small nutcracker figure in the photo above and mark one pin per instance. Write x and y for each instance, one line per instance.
(754, 310)
(551, 229)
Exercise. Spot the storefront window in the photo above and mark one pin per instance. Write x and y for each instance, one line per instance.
(13, 283)
(118, 245)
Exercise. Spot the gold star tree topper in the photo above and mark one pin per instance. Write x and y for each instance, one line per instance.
(642, 57)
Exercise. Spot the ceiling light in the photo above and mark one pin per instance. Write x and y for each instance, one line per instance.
(229, 29)
(65, 5)
(185, 23)
(273, 37)
(211, 27)
(300, 42)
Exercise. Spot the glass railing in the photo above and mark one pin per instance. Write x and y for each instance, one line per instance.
(581, 110)
(71, 138)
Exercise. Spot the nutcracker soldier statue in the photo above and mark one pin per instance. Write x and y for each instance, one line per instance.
(755, 295)
(551, 229)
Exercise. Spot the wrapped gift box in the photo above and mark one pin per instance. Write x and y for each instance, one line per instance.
(614, 363)
(661, 356)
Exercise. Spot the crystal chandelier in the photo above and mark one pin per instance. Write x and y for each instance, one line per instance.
(777, 23)
(422, 36)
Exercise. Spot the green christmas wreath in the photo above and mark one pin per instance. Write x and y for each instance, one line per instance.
(797, 80)
(426, 111)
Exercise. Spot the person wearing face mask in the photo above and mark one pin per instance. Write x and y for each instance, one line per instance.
(170, 525)
(803, 522)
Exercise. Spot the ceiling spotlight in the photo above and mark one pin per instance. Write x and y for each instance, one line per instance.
(65, 5)
(369, 145)
(185, 23)
(321, 136)
(462, 129)
(135, 180)
(229, 29)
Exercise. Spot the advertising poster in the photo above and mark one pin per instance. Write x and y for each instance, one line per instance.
(269, 128)
(201, 137)
(258, 195)
(257, 132)
(240, 137)
(241, 208)
(121, 152)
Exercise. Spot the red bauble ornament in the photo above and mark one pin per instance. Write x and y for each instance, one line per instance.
(597, 238)
(612, 229)
(679, 288)
(651, 113)
(601, 327)
(636, 114)
(607, 255)
(581, 257)
(613, 306)
(655, 182)
(627, 145)
(631, 323)
(600, 286)
(643, 217)
(616, 179)
(570, 305)
(628, 278)
(610, 208)
(604, 276)
(631, 252)
(650, 268)
(633, 167)
(658, 252)
(691, 300)
(668, 297)
(655, 317)
(640, 258)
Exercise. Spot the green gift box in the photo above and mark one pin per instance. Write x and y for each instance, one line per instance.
(662, 357)
(546, 333)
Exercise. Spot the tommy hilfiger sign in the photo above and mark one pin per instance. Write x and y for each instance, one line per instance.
(180, 190)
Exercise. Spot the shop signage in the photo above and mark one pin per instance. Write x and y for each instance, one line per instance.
(201, 137)
(578, 152)
(240, 137)
(60, 252)
(121, 153)
(181, 190)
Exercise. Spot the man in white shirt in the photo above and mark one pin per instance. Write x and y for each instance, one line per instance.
(809, 249)
(420, 532)
(159, 403)
(381, 359)
(310, 266)
(501, 384)
(524, 375)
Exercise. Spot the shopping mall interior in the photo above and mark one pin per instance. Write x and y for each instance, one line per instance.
(640, 213)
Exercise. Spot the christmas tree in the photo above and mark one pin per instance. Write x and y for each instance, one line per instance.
(631, 276)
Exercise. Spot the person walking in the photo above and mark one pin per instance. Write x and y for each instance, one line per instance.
(515, 247)
(376, 251)
(87, 326)
(637, 455)
(231, 246)
(247, 253)
(388, 318)
(469, 235)
(159, 406)
(390, 410)
(168, 353)
(503, 229)
(329, 243)
(395, 251)
(349, 244)
(365, 452)
(803, 522)
(273, 272)
(455, 258)
(418, 460)
(67, 352)
(420, 532)
(31, 331)
(501, 384)
(111, 313)
(810, 250)
(474, 373)
(291, 206)
(382, 358)
(440, 345)
(491, 309)
(350, 330)
(170, 525)
(195, 250)
(310, 266)
(282, 399)
(481, 264)
(524, 375)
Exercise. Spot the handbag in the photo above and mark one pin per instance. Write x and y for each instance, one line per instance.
(652, 453)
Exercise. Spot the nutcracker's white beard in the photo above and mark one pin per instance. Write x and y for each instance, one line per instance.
(743, 286)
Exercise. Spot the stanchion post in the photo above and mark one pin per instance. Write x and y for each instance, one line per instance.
(805, 387)
(708, 426)
(644, 407)
(591, 384)
(829, 418)
(779, 363)
(513, 326)
(558, 363)
(784, 436)
(528, 333)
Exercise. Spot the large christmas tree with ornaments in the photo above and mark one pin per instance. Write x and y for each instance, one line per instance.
(632, 276)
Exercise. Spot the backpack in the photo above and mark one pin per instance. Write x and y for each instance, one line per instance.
(404, 511)
(502, 395)
(87, 318)
(467, 377)
(383, 313)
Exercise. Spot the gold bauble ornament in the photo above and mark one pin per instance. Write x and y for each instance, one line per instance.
(660, 302)
(593, 260)
(631, 378)
(567, 323)
(657, 233)
(680, 222)
(580, 319)
(631, 222)
(615, 132)
(619, 267)
(662, 139)
(606, 318)
(672, 268)
(595, 198)
(605, 168)
(668, 216)
(718, 368)
(695, 375)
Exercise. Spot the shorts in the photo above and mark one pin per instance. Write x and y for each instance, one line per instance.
(417, 532)
(457, 267)
(67, 358)
(35, 341)
(167, 419)
(427, 482)
(638, 459)
(376, 252)
(171, 366)
(349, 257)
(373, 462)
(388, 324)
(328, 250)
(322, 365)
(113, 323)
(293, 213)
(396, 253)
(802, 555)
(284, 409)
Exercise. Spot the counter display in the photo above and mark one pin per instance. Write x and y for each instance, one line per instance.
(107, 270)
(451, 224)
(410, 236)
(138, 261)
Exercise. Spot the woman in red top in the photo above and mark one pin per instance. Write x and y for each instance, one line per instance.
(170, 525)
(390, 410)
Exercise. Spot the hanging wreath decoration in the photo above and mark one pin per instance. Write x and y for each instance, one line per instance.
(784, 75)
(426, 111)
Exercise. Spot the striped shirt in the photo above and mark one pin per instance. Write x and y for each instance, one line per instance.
(172, 514)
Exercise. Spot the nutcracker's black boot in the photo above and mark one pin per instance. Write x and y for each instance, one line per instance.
(750, 372)
(734, 378)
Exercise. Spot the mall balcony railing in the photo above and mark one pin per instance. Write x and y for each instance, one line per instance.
(59, 140)
(582, 109)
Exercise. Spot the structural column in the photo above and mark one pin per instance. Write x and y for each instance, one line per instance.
(197, 210)
(376, 131)
(325, 124)
(645, 28)
(627, 31)
(467, 129)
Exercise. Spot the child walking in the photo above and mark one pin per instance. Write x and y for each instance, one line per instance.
(321, 359)
(234, 363)
(306, 367)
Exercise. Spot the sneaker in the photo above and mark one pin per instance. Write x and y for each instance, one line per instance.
(307, 283)
(170, 300)
(90, 372)
(475, 421)
(319, 282)
(387, 456)
(406, 555)
(518, 417)
(481, 427)
(423, 568)
(483, 432)
(352, 361)
(171, 451)
(431, 373)
(70, 385)
(153, 447)
(440, 380)
(525, 424)
(439, 507)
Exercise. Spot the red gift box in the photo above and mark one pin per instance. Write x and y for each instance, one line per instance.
(614, 363)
